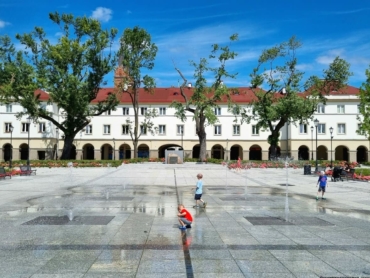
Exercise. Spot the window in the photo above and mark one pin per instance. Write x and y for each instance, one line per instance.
(143, 110)
(217, 130)
(162, 110)
(361, 132)
(341, 128)
(358, 108)
(162, 129)
(106, 129)
(42, 127)
(7, 127)
(108, 112)
(9, 108)
(143, 130)
(303, 128)
(218, 111)
(88, 129)
(321, 109)
(340, 109)
(125, 129)
(43, 106)
(25, 127)
(180, 130)
(321, 129)
(255, 130)
(125, 111)
(236, 129)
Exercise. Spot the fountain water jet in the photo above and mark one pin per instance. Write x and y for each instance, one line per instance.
(70, 215)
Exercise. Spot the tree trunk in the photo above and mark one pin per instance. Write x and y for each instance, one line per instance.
(67, 148)
(202, 135)
(273, 152)
(203, 147)
(273, 140)
(135, 142)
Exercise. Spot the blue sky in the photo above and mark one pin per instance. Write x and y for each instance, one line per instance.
(185, 30)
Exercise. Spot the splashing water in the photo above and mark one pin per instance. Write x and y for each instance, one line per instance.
(70, 215)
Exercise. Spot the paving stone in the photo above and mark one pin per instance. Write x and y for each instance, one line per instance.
(325, 238)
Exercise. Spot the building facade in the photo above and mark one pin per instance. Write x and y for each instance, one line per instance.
(107, 136)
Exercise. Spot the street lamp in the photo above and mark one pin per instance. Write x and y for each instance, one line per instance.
(331, 146)
(316, 122)
(57, 135)
(11, 128)
(28, 153)
(227, 147)
(287, 136)
(311, 142)
(114, 149)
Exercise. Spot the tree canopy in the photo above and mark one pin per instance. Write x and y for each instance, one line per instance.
(364, 107)
(206, 97)
(71, 71)
(276, 83)
(137, 52)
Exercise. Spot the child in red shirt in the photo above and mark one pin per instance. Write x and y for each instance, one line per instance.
(185, 217)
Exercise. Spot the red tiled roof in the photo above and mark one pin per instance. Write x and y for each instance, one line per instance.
(167, 95)
(42, 95)
(347, 90)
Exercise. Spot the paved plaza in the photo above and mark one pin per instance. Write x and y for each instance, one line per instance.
(121, 222)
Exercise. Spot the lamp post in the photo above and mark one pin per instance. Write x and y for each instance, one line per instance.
(28, 153)
(57, 135)
(316, 122)
(287, 135)
(311, 142)
(227, 147)
(331, 146)
(11, 145)
(114, 149)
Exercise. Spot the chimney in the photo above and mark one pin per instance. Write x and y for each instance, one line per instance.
(189, 85)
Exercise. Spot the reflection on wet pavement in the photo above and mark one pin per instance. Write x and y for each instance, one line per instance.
(122, 222)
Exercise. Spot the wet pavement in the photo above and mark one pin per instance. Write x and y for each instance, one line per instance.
(121, 222)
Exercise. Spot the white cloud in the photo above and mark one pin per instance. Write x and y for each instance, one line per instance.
(102, 14)
(331, 55)
(3, 23)
(128, 12)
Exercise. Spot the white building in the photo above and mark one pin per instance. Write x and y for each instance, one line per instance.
(106, 137)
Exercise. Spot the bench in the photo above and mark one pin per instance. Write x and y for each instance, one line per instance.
(26, 170)
(4, 174)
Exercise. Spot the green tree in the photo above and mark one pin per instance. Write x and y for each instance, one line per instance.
(364, 107)
(205, 98)
(137, 52)
(71, 71)
(282, 101)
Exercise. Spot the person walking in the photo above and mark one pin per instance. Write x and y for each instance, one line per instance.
(322, 183)
(199, 192)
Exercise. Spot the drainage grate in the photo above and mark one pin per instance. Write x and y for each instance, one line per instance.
(276, 221)
(284, 184)
(223, 188)
(64, 220)
(113, 198)
(233, 198)
(267, 221)
(242, 197)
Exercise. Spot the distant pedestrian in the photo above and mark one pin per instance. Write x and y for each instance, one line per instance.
(199, 192)
(185, 217)
(321, 183)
